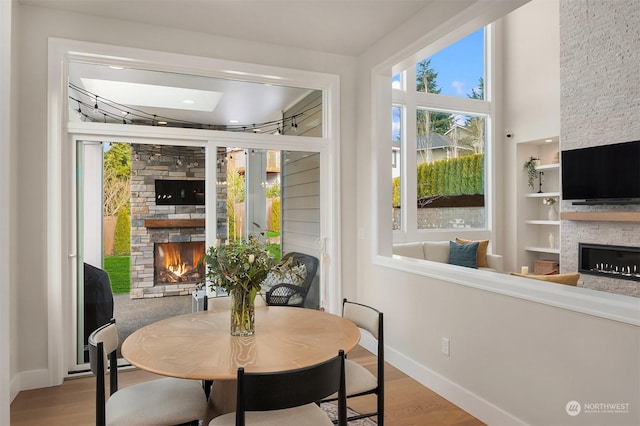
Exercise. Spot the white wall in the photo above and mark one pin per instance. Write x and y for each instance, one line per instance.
(512, 360)
(35, 26)
(8, 136)
(531, 97)
(532, 71)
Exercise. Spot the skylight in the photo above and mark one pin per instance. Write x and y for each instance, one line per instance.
(153, 96)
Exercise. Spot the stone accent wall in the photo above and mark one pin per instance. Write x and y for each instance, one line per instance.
(148, 163)
(151, 162)
(600, 105)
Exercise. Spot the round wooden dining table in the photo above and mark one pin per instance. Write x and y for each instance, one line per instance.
(200, 346)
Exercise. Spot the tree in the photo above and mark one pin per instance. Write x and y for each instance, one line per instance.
(122, 239)
(439, 122)
(477, 93)
(235, 194)
(476, 125)
(117, 178)
(118, 158)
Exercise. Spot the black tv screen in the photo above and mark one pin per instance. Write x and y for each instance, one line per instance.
(607, 173)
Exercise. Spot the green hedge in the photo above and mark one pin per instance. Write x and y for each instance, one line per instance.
(122, 238)
(275, 215)
(457, 176)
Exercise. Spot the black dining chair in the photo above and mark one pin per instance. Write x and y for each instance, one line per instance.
(288, 398)
(359, 380)
(167, 401)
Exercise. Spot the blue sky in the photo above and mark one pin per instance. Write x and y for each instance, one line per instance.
(460, 65)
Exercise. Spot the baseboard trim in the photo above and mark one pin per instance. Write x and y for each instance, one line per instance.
(26, 380)
(478, 407)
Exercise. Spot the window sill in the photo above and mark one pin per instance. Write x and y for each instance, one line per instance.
(601, 304)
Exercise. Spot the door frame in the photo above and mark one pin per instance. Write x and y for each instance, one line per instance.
(63, 135)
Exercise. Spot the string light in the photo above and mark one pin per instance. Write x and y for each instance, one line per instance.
(107, 107)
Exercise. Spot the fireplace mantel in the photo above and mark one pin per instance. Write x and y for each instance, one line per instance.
(602, 216)
(174, 223)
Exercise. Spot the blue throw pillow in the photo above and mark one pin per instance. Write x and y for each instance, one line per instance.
(463, 254)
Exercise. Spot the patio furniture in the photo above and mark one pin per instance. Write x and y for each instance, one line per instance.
(291, 292)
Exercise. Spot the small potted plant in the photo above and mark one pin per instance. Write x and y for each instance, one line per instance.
(530, 167)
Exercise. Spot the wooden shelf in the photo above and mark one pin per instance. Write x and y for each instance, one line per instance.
(174, 223)
(543, 250)
(602, 216)
(542, 222)
(551, 166)
(542, 194)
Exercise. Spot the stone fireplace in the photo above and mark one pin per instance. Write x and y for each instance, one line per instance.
(594, 114)
(168, 219)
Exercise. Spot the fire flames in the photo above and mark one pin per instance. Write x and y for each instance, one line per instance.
(179, 262)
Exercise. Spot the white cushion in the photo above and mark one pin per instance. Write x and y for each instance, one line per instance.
(309, 414)
(357, 378)
(158, 402)
(409, 250)
(436, 251)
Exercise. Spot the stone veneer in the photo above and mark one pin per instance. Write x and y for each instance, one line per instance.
(599, 104)
(148, 163)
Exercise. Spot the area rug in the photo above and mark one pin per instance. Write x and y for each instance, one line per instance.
(332, 411)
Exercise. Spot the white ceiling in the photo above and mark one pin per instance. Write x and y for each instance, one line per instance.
(346, 27)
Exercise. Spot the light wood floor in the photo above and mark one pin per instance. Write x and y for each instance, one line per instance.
(406, 401)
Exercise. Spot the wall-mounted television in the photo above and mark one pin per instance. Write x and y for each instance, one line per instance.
(607, 174)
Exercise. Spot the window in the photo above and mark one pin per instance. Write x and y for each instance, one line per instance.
(457, 70)
(445, 157)
(396, 160)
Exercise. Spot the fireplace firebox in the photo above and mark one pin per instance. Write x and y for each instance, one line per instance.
(179, 262)
(610, 261)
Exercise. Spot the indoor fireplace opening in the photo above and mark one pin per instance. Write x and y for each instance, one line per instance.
(179, 262)
(610, 261)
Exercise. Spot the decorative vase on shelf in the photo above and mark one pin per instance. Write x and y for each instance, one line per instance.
(552, 240)
(243, 313)
(553, 212)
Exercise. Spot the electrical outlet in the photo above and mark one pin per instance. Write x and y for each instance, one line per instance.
(445, 346)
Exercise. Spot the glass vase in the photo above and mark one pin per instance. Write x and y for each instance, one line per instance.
(242, 313)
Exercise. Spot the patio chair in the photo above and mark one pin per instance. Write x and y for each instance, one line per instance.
(288, 398)
(166, 401)
(290, 293)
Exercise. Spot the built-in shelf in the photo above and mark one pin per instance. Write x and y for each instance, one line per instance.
(543, 249)
(534, 229)
(552, 166)
(542, 194)
(542, 222)
(602, 216)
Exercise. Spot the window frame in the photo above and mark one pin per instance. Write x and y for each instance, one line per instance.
(410, 99)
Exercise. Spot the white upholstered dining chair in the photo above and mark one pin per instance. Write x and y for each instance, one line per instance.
(167, 401)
